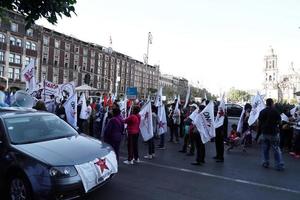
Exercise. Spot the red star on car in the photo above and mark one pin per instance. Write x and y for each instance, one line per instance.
(102, 164)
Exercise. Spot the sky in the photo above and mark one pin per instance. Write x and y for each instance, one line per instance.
(220, 44)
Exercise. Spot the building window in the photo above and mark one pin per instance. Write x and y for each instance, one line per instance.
(93, 53)
(55, 63)
(14, 58)
(1, 56)
(28, 45)
(66, 65)
(10, 73)
(46, 40)
(2, 70)
(11, 58)
(77, 49)
(57, 44)
(12, 41)
(29, 32)
(19, 42)
(33, 46)
(55, 79)
(85, 52)
(14, 27)
(18, 59)
(2, 38)
(17, 73)
(67, 46)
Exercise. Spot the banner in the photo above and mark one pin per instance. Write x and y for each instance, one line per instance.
(257, 106)
(204, 121)
(162, 118)
(219, 121)
(146, 125)
(71, 110)
(84, 113)
(28, 76)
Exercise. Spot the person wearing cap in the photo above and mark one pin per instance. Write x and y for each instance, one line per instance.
(188, 139)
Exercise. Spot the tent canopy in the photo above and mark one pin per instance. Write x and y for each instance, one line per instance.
(85, 88)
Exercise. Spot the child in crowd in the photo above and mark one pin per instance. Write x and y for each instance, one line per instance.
(233, 137)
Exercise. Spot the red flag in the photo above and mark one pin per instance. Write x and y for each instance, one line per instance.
(105, 101)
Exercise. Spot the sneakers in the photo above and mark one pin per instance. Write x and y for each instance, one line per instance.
(128, 162)
(148, 156)
(137, 160)
(161, 147)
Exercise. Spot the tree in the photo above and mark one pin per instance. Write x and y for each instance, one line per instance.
(32, 10)
(236, 95)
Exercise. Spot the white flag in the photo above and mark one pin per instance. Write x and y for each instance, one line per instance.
(28, 75)
(71, 110)
(146, 125)
(187, 97)
(177, 104)
(284, 117)
(257, 106)
(162, 124)
(241, 120)
(204, 121)
(123, 107)
(158, 99)
(219, 121)
(84, 113)
(293, 111)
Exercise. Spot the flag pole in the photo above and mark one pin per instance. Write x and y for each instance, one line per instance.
(44, 90)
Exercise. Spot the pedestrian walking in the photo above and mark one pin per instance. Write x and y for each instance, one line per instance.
(133, 130)
(113, 130)
(268, 125)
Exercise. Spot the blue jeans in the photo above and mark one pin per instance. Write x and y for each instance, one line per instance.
(272, 142)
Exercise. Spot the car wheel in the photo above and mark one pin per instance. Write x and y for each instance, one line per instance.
(19, 188)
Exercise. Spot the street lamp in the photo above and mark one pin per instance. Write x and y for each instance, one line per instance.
(146, 56)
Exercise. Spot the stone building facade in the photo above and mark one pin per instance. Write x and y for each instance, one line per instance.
(61, 58)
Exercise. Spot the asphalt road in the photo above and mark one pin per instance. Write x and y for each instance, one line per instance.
(171, 176)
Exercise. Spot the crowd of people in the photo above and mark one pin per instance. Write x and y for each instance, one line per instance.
(107, 123)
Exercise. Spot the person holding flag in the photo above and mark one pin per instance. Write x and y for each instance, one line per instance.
(133, 129)
(151, 147)
(221, 125)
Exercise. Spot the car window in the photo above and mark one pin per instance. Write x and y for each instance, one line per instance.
(37, 128)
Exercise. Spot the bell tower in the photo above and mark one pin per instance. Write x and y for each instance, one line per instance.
(271, 77)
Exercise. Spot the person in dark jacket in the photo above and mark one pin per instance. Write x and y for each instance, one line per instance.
(113, 130)
(40, 105)
(268, 125)
(60, 111)
(219, 140)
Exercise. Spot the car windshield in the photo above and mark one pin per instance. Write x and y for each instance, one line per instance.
(37, 128)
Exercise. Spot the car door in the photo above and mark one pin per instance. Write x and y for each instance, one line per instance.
(3, 151)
